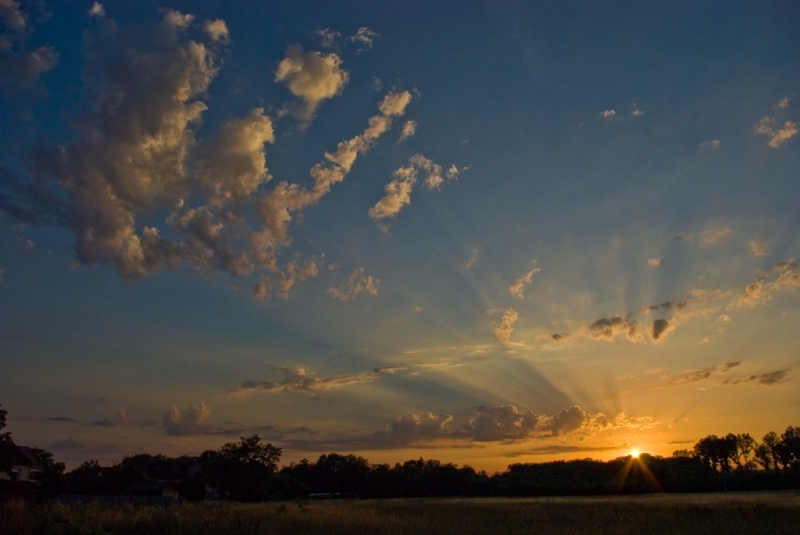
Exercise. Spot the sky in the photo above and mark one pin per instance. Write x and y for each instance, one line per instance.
(480, 232)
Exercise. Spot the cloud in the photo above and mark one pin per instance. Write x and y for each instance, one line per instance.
(217, 30)
(713, 144)
(558, 337)
(566, 421)
(409, 129)
(415, 428)
(635, 111)
(754, 294)
(470, 261)
(356, 284)
(518, 288)
(231, 164)
(507, 423)
(766, 379)
(713, 236)
(502, 332)
(504, 422)
(608, 114)
(103, 423)
(757, 247)
(19, 66)
(328, 37)
(298, 380)
(655, 262)
(312, 77)
(660, 329)
(702, 374)
(97, 10)
(130, 152)
(398, 191)
(64, 445)
(60, 419)
(275, 209)
(788, 279)
(364, 37)
(770, 126)
(707, 237)
(610, 328)
(137, 154)
(190, 421)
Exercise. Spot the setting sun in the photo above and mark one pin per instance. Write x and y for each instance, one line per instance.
(634, 453)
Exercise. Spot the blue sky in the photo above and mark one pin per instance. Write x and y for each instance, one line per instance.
(475, 232)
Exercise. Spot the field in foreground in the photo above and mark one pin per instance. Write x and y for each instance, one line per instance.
(732, 513)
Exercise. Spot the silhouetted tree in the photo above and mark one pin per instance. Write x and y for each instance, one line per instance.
(51, 480)
(5, 436)
(745, 445)
(88, 478)
(772, 442)
(243, 470)
(789, 449)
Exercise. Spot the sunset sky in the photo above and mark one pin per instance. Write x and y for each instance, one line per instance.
(480, 232)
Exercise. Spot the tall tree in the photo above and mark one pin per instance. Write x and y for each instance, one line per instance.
(772, 442)
(745, 445)
(4, 436)
(789, 448)
(242, 471)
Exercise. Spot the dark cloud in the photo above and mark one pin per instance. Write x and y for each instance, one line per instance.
(767, 379)
(415, 428)
(730, 365)
(609, 328)
(63, 445)
(667, 305)
(103, 423)
(559, 336)
(20, 66)
(660, 328)
(60, 419)
(505, 422)
(692, 377)
(567, 420)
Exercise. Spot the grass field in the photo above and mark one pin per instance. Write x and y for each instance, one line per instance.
(732, 513)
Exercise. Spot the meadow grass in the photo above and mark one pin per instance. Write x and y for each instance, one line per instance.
(734, 513)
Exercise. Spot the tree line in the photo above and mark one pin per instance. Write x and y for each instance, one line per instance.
(248, 471)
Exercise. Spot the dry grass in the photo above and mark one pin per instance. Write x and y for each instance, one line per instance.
(734, 513)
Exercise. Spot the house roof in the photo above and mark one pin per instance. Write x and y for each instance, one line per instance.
(19, 455)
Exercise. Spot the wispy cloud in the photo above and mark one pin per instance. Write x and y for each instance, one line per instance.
(298, 380)
(714, 144)
(518, 288)
(701, 374)
(770, 126)
(357, 283)
(398, 191)
(765, 379)
(504, 329)
(409, 129)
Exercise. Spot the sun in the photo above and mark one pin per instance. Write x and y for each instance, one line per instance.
(635, 453)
